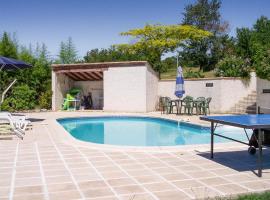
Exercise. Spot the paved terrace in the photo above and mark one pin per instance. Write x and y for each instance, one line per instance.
(50, 164)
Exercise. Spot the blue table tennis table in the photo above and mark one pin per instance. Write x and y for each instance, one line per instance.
(258, 121)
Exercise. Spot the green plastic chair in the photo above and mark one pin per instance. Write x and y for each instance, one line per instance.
(166, 105)
(206, 106)
(198, 103)
(187, 104)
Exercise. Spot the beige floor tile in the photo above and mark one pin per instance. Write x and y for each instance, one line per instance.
(61, 187)
(5, 182)
(140, 172)
(154, 165)
(29, 197)
(86, 170)
(214, 181)
(210, 166)
(156, 187)
(28, 190)
(165, 170)
(240, 178)
(58, 172)
(27, 163)
(188, 168)
(4, 191)
(187, 184)
(114, 174)
(92, 184)
(202, 192)
(147, 160)
(27, 174)
(223, 171)
(137, 197)
(117, 156)
(231, 189)
(129, 189)
(176, 163)
(103, 198)
(52, 162)
(148, 179)
(54, 167)
(100, 158)
(4, 170)
(121, 182)
(108, 169)
(58, 179)
(201, 174)
(67, 195)
(133, 167)
(5, 176)
(27, 182)
(175, 177)
(124, 162)
(171, 195)
(87, 177)
(75, 160)
(6, 164)
(97, 192)
(102, 163)
(256, 185)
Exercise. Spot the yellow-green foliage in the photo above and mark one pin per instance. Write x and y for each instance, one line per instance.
(155, 40)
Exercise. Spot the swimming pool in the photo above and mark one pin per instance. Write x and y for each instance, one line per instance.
(143, 131)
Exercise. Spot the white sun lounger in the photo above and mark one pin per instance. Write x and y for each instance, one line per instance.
(17, 131)
(19, 122)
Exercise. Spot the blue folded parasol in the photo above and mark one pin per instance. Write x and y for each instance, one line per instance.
(179, 88)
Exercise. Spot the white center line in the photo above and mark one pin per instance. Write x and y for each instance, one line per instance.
(44, 184)
(12, 184)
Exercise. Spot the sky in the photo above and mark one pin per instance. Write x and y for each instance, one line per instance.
(97, 23)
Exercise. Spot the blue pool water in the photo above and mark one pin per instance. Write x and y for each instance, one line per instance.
(143, 131)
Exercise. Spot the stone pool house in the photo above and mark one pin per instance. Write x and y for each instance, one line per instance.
(133, 86)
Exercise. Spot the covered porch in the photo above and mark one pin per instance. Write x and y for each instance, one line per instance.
(88, 78)
(129, 86)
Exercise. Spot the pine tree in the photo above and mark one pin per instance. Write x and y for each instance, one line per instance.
(68, 53)
(8, 48)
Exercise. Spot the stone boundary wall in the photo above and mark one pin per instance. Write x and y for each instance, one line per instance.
(225, 92)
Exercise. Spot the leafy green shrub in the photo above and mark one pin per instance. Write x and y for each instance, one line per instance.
(232, 66)
(193, 74)
(21, 98)
(45, 100)
(6, 106)
(262, 65)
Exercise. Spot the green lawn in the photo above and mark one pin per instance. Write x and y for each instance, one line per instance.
(171, 73)
(257, 196)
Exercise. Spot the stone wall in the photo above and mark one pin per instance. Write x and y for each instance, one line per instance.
(225, 92)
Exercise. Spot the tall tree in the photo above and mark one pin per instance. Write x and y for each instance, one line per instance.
(8, 48)
(244, 42)
(68, 53)
(153, 41)
(252, 42)
(205, 53)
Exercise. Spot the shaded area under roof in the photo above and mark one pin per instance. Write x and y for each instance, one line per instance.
(91, 71)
